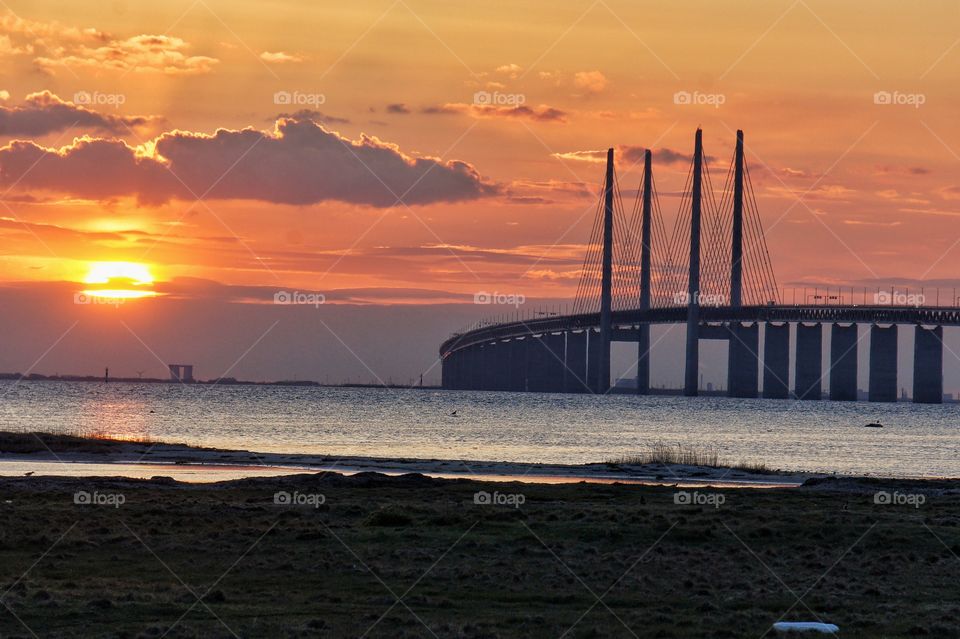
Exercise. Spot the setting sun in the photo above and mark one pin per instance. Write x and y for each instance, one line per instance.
(126, 280)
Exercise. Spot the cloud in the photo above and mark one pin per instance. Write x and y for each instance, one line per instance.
(311, 114)
(870, 223)
(590, 81)
(545, 192)
(795, 173)
(902, 170)
(43, 113)
(542, 113)
(512, 71)
(280, 57)
(54, 45)
(398, 108)
(631, 154)
(949, 192)
(299, 163)
(443, 109)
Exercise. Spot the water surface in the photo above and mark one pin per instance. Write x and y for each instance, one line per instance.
(917, 441)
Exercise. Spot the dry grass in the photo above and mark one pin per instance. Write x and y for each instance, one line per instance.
(660, 452)
(90, 442)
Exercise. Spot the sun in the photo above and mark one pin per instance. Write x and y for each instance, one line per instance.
(119, 280)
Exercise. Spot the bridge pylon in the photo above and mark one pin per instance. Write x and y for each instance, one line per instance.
(692, 364)
(643, 337)
(606, 282)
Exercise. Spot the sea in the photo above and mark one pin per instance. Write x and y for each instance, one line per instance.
(815, 436)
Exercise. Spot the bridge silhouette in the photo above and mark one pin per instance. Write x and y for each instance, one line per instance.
(714, 274)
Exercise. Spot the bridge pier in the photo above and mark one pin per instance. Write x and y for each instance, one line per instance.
(928, 365)
(488, 372)
(554, 344)
(809, 361)
(743, 358)
(538, 363)
(594, 357)
(575, 363)
(843, 362)
(516, 374)
(883, 363)
(643, 360)
(776, 361)
(499, 362)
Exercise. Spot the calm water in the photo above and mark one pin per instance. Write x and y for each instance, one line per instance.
(815, 436)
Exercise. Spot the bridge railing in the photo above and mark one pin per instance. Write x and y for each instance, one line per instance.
(893, 296)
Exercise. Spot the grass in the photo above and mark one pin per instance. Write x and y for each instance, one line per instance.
(86, 442)
(660, 452)
(468, 570)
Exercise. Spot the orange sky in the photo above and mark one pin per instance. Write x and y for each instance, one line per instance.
(110, 150)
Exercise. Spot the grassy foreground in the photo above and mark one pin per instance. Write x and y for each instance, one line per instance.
(415, 557)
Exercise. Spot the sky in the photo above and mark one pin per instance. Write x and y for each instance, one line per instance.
(386, 161)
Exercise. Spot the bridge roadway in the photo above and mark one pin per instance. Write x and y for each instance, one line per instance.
(853, 314)
(564, 353)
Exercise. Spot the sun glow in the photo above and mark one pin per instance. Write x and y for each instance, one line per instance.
(119, 280)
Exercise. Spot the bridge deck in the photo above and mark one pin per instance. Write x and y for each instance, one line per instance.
(926, 315)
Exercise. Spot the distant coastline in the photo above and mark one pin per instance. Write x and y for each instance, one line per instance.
(219, 381)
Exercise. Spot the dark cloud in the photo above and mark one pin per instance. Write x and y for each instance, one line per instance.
(44, 113)
(441, 109)
(398, 108)
(311, 114)
(299, 163)
(542, 113)
(632, 155)
(902, 170)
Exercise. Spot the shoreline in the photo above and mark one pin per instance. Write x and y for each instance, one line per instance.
(45, 455)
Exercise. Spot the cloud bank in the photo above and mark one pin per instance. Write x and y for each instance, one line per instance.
(298, 163)
(44, 113)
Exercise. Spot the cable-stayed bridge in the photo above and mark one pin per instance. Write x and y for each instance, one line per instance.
(713, 272)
